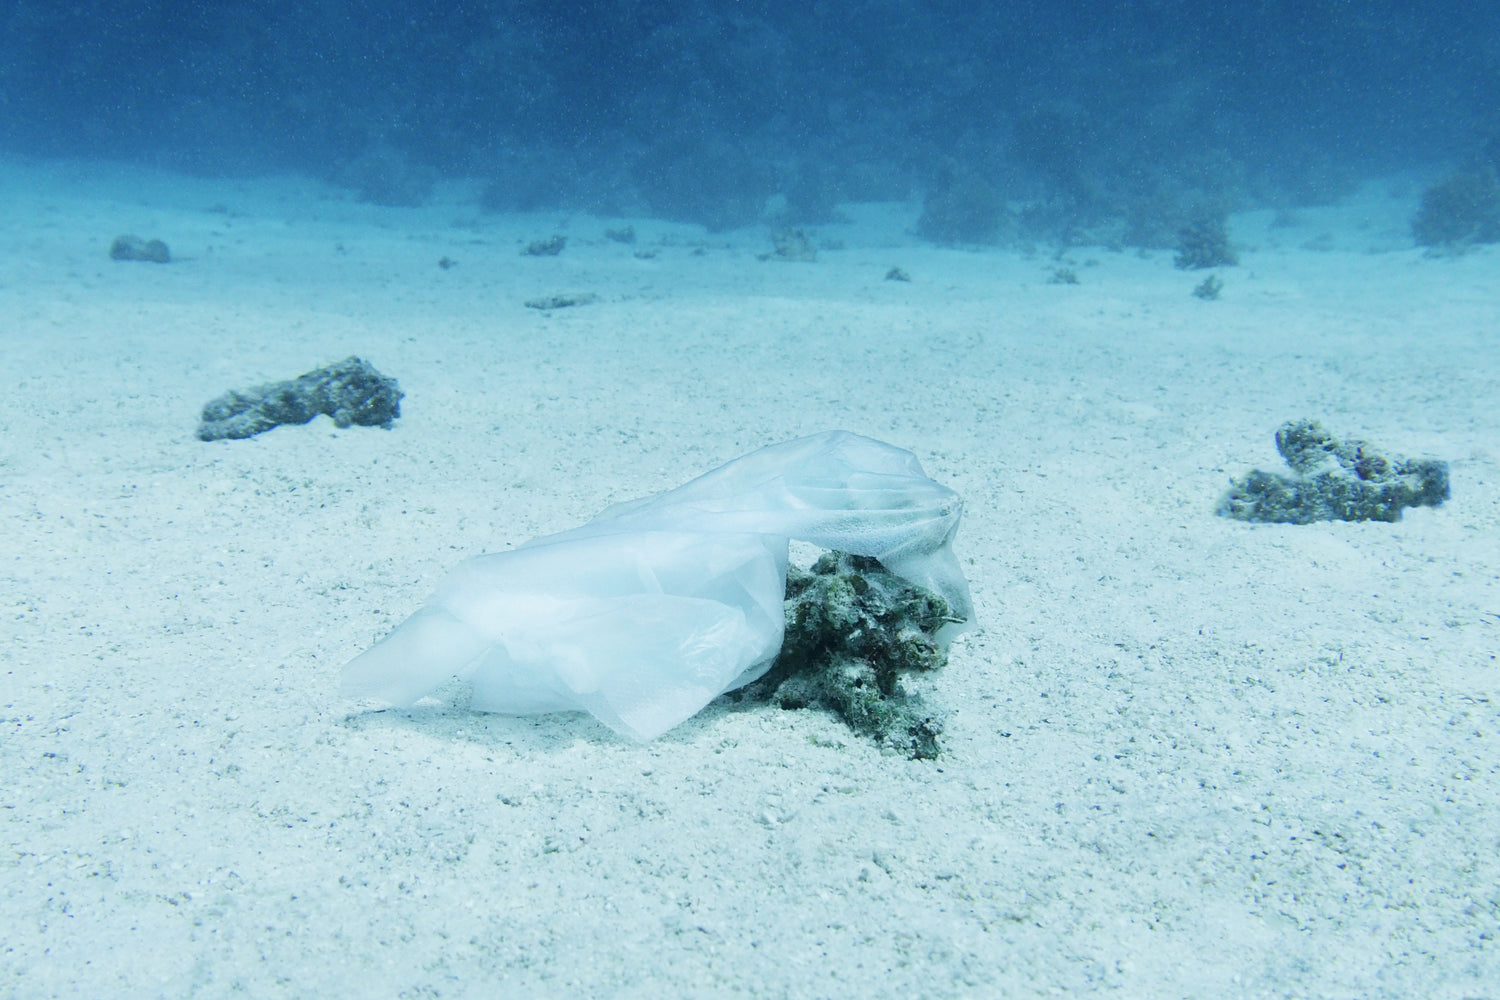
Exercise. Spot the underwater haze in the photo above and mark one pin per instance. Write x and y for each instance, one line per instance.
(796, 499)
(702, 111)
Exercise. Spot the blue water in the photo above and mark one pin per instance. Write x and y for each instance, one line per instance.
(702, 111)
(1182, 756)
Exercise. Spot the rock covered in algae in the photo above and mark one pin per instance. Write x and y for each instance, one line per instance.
(351, 392)
(853, 630)
(562, 300)
(1334, 481)
(135, 248)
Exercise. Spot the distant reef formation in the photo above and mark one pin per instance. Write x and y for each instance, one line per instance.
(1203, 242)
(351, 392)
(1460, 210)
(962, 207)
(1334, 480)
(1033, 123)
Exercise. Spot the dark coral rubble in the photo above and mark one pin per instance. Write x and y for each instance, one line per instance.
(351, 392)
(853, 631)
(1334, 481)
(135, 248)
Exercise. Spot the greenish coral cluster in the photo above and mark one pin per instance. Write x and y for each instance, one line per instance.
(351, 392)
(853, 630)
(1334, 481)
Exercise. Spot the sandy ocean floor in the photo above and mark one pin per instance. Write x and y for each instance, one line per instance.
(1185, 755)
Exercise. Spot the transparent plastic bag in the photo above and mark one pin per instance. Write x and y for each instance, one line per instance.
(648, 612)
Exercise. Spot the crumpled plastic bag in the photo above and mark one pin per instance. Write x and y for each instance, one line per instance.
(647, 613)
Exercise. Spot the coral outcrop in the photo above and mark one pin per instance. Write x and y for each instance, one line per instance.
(1334, 481)
(351, 392)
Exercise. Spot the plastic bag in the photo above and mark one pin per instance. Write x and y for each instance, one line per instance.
(648, 612)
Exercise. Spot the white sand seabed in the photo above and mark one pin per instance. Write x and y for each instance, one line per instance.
(1185, 756)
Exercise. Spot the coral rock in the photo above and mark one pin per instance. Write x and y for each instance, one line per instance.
(1334, 481)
